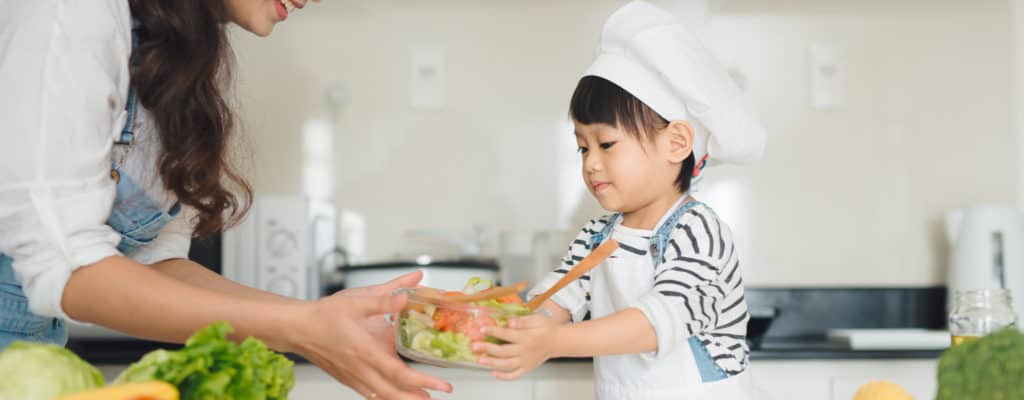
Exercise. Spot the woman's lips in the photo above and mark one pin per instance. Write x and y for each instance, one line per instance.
(282, 12)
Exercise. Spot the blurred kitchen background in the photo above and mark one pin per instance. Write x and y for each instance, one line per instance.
(386, 135)
(450, 116)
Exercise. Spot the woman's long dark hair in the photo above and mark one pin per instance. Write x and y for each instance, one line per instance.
(180, 70)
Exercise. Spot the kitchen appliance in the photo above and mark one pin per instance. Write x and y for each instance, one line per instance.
(283, 246)
(448, 260)
(440, 274)
(986, 250)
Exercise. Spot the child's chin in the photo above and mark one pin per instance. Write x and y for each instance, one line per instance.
(609, 205)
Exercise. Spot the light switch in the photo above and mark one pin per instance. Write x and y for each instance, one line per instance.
(826, 77)
(429, 79)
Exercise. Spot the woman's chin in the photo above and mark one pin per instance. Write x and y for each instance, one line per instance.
(261, 29)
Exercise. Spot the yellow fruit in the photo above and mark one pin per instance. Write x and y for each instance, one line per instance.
(154, 390)
(881, 390)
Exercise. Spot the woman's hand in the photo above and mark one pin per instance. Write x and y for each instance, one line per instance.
(531, 341)
(346, 335)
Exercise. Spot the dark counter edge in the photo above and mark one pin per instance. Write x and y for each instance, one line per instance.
(126, 351)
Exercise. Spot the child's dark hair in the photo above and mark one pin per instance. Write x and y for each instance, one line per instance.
(600, 101)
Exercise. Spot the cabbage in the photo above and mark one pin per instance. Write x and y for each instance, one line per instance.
(39, 371)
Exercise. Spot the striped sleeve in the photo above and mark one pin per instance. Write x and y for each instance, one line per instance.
(697, 291)
(575, 298)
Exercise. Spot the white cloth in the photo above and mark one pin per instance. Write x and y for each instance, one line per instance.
(64, 82)
(649, 53)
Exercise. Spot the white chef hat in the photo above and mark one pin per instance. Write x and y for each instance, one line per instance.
(649, 53)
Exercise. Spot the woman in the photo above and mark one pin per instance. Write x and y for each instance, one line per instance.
(114, 153)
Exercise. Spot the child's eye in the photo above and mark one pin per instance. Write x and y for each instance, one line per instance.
(581, 150)
(607, 145)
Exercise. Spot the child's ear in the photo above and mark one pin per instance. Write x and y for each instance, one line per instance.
(680, 137)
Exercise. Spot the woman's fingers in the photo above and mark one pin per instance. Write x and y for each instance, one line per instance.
(394, 370)
(355, 346)
(409, 280)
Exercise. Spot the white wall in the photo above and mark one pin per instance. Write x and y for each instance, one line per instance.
(1018, 103)
(845, 197)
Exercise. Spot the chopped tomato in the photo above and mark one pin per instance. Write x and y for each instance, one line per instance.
(445, 319)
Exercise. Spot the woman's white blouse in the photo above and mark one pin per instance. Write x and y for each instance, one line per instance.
(64, 82)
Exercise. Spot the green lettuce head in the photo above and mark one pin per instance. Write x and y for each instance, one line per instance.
(38, 371)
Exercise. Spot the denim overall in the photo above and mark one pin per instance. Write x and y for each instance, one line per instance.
(137, 217)
(687, 372)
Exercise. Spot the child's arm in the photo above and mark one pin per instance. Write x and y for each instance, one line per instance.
(533, 340)
(556, 312)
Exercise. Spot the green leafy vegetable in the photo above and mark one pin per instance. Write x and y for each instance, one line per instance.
(38, 371)
(212, 367)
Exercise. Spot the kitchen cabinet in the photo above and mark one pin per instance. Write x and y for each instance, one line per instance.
(840, 379)
(818, 379)
(569, 380)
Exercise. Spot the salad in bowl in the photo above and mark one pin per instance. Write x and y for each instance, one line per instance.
(437, 327)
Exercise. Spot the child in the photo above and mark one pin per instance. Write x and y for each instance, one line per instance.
(664, 316)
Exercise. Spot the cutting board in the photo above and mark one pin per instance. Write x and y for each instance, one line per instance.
(891, 339)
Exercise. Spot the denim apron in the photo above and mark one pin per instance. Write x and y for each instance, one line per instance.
(687, 373)
(137, 217)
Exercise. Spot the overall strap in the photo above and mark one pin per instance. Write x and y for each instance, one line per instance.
(662, 236)
(127, 133)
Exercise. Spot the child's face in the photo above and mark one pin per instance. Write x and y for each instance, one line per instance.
(623, 174)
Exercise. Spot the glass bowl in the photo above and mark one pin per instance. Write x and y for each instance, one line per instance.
(433, 331)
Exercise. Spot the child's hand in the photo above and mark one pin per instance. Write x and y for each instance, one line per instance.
(531, 341)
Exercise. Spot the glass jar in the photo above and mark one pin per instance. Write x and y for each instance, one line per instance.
(978, 312)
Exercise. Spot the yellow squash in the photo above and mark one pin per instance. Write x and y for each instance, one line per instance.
(881, 390)
(154, 390)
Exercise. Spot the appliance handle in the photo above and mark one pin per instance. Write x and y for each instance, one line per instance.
(998, 265)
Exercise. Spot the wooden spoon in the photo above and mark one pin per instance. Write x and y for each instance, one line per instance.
(585, 265)
(492, 293)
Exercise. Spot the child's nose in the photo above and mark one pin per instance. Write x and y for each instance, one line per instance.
(592, 163)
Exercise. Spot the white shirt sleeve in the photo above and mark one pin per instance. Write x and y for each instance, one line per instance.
(63, 83)
(173, 241)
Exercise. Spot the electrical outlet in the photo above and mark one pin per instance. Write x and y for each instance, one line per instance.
(826, 77)
(429, 79)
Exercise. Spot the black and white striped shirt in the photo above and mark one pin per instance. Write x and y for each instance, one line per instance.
(697, 288)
